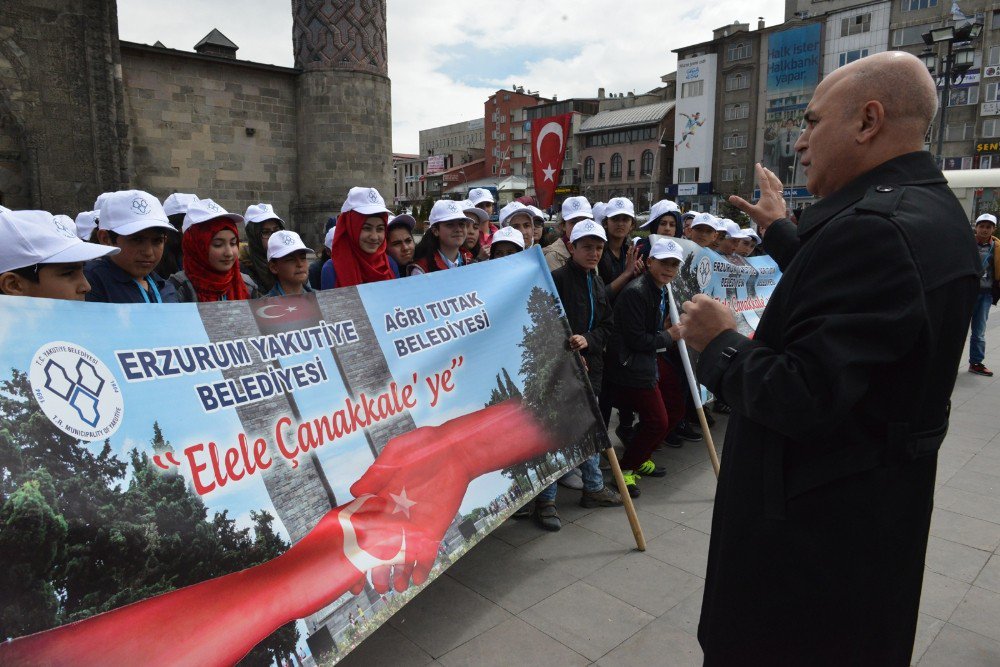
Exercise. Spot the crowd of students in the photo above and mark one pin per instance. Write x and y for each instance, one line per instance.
(134, 249)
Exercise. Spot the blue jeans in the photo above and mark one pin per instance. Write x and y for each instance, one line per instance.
(593, 478)
(977, 339)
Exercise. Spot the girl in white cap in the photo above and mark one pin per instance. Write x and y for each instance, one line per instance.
(478, 220)
(288, 262)
(519, 216)
(442, 245)
(261, 222)
(620, 262)
(399, 243)
(506, 241)
(357, 254)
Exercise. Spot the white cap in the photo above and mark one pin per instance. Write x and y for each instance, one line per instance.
(35, 237)
(177, 203)
(479, 195)
(404, 219)
(100, 200)
(753, 235)
(619, 206)
(445, 210)
(666, 249)
(128, 212)
(587, 228)
(366, 201)
(510, 235)
(574, 208)
(730, 227)
(204, 210)
(328, 240)
(4, 209)
(741, 233)
(658, 210)
(86, 223)
(987, 217)
(512, 209)
(469, 207)
(537, 212)
(599, 211)
(283, 243)
(707, 219)
(260, 213)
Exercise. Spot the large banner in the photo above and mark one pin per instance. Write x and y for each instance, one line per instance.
(192, 482)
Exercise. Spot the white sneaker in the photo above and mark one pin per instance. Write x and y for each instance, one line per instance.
(572, 480)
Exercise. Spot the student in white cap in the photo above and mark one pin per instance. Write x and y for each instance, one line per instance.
(399, 243)
(506, 241)
(537, 224)
(620, 262)
(134, 222)
(729, 237)
(704, 229)
(573, 210)
(358, 252)
(748, 245)
(442, 246)
(638, 378)
(989, 257)
(598, 209)
(175, 206)
(482, 199)
(288, 260)
(261, 222)
(664, 220)
(518, 216)
(86, 226)
(479, 221)
(42, 258)
(211, 244)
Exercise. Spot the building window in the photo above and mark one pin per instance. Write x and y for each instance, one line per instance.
(687, 175)
(958, 97)
(733, 173)
(600, 172)
(588, 169)
(739, 51)
(855, 25)
(851, 56)
(616, 165)
(959, 132)
(631, 168)
(990, 92)
(646, 163)
(914, 5)
(911, 35)
(732, 141)
(692, 89)
(737, 81)
(991, 128)
(737, 111)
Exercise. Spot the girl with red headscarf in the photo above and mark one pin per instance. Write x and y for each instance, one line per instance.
(211, 248)
(357, 254)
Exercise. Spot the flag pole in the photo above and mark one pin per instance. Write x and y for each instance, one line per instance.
(693, 384)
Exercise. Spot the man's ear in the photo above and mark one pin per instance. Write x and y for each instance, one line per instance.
(103, 237)
(12, 284)
(872, 119)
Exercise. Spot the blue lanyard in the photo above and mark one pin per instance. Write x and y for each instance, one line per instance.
(152, 286)
(663, 307)
(590, 293)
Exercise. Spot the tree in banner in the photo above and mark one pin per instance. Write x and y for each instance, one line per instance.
(506, 389)
(685, 285)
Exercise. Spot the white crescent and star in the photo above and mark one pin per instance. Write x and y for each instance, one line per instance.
(549, 128)
(358, 557)
(262, 312)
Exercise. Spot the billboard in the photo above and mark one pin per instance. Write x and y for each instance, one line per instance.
(694, 124)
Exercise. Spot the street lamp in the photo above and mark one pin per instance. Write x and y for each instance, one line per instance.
(652, 174)
(957, 62)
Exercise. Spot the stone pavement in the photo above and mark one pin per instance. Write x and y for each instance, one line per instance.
(585, 596)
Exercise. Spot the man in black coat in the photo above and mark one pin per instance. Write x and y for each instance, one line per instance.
(841, 399)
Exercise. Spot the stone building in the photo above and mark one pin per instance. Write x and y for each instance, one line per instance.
(82, 113)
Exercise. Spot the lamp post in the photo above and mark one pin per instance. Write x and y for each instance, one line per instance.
(956, 63)
(652, 173)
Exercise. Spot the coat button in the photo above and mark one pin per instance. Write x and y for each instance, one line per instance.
(883, 188)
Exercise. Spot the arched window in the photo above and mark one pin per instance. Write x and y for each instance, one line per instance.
(616, 165)
(588, 169)
(646, 166)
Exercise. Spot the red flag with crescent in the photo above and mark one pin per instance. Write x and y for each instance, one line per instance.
(548, 148)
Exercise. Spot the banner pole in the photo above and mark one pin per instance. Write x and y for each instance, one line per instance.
(693, 384)
(633, 518)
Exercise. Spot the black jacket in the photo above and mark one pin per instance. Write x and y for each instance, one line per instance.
(610, 268)
(839, 402)
(638, 334)
(571, 283)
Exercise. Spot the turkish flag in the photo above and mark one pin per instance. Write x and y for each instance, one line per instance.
(548, 148)
(281, 314)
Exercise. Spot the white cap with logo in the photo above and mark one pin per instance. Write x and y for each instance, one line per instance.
(260, 213)
(446, 210)
(128, 212)
(509, 235)
(468, 207)
(619, 206)
(598, 209)
(100, 200)
(86, 223)
(987, 217)
(658, 210)
(35, 237)
(709, 220)
(537, 213)
(284, 243)
(512, 209)
(366, 201)
(479, 195)
(574, 208)
(666, 249)
(178, 202)
(587, 228)
(204, 210)
(730, 227)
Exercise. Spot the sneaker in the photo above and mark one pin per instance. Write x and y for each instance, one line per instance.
(572, 480)
(673, 440)
(546, 515)
(685, 432)
(979, 369)
(625, 434)
(650, 469)
(604, 498)
(631, 483)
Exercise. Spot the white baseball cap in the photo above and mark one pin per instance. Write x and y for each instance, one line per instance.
(260, 213)
(128, 212)
(729, 227)
(658, 210)
(619, 206)
(86, 223)
(512, 209)
(753, 235)
(445, 210)
(283, 243)
(709, 220)
(666, 249)
(4, 209)
(510, 235)
(366, 201)
(35, 237)
(469, 207)
(599, 211)
(479, 195)
(100, 200)
(404, 219)
(574, 208)
(741, 233)
(987, 217)
(328, 240)
(587, 228)
(178, 202)
(537, 212)
(204, 210)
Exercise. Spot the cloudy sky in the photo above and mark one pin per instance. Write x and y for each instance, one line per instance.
(447, 56)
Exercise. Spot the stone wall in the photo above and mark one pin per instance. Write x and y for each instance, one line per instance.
(212, 126)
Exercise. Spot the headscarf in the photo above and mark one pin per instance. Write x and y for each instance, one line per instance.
(353, 265)
(258, 255)
(208, 283)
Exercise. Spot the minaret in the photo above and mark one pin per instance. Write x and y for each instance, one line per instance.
(344, 106)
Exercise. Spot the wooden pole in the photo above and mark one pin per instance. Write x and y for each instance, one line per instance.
(633, 518)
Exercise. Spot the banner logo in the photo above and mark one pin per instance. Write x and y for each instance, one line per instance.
(140, 205)
(704, 272)
(76, 391)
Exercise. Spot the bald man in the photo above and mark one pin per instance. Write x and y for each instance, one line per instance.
(841, 400)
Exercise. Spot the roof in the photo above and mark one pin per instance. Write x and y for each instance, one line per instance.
(216, 38)
(643, 115)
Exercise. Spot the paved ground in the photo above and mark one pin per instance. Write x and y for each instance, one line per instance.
(585, 596)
